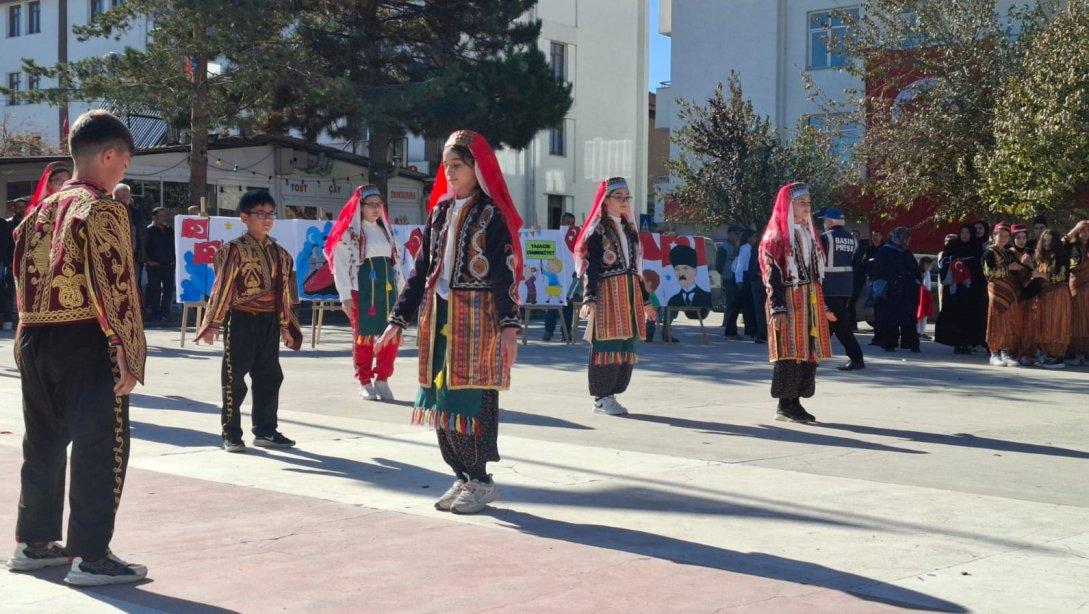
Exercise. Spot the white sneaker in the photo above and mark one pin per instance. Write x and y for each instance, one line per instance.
(474, 497)
(384, 393)
(368, 392)
(30, 559)
(609, 407)
(996, 361)
(107, 570)
(444, 502)
(1009, 360)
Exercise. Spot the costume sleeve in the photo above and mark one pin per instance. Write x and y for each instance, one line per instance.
(289, 320)
(342, 274)
(219, 299)
(992, 269)
(775, 286)
(500, 253)
(111, 279)
(595, 251)
(412, 294)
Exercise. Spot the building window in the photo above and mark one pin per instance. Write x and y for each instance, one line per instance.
(557, 141)
(15, 83)
(98, 7)
(33, 82)
(555, 210)
(827, 32)
(845, 134)
(34, 18)
(558, 60)
(15, 20)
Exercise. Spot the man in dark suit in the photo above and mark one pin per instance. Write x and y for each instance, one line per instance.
(683, 259)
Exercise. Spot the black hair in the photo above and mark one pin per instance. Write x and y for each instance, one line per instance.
(1039, 219)
(925, 260)
(735, 228)
(255, 198)
(97, 130)
(463, 152)
(747, 234)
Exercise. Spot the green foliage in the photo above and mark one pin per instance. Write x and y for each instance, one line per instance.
(1041, 158)
(732, 162)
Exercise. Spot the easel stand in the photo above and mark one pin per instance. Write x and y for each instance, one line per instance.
(671, 312)
(529, 309)
(198, 309)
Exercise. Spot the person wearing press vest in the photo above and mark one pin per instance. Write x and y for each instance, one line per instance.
(840, 247)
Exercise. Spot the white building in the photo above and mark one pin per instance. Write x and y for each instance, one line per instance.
(600, 46)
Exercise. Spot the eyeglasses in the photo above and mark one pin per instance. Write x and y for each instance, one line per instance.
(262, 215)
(623, 199)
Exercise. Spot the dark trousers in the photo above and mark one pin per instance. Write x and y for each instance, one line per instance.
(551, 317)
(251, 346)
(469, 455)
(740, 303)
(896, 323)
(843, 328)
(160, 290)
(760, 314)
(68, 376)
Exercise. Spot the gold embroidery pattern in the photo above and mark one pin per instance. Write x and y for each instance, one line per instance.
(113, 278)
(70, 286)
(118, 435)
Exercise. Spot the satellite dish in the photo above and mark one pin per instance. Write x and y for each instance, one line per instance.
(909, 93)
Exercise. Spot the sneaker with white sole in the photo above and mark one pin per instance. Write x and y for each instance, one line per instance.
(31, 558)
(273, 440)
(608, 406)
(368, 392)
(1053, 363)
(448, 497)
(474, 497)
(384, 393)
(996, 361)
(1009, 360)
(234, 444)
(621, 410)
(106, 570)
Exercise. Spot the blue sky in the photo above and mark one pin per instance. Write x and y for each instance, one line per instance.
(659, 50)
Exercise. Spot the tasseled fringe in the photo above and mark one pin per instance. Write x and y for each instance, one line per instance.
(445, 420)
(614, 358)
(365, 339)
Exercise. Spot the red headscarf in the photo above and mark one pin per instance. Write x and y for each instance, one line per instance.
(490, 178)
(349, 218)
(597, 213)
(777, 246)
(43, 184)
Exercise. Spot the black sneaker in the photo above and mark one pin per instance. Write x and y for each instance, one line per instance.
(30, 557)
(802, 413)
(106, 570)
(234, 444)
(275, 440)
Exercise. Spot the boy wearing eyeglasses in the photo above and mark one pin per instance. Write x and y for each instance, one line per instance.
(251, 303)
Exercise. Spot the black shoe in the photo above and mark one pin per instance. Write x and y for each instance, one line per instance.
(802, 413)
(852, 366)
(106, 570)
(274, 440)
(760, 341)
(788, 412)
(234, 443)
(546, 338)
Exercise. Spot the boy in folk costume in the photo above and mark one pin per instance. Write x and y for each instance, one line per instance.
(251, 298)
(1052, 306)
(81, 350)
(1077, 245)
(1000, 265)
(363, 255)
(608, 256)
(464, 285)
(792, 265)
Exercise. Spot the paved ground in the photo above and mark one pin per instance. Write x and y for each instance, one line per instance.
(933, 483)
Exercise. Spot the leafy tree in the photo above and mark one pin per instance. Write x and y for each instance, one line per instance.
(931, 141)
(733, 162)
(1041, 157)
(17, 143)
(432, 67)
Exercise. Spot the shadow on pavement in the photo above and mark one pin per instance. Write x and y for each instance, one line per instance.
(966, 440)
(749, 563)
(125, 596)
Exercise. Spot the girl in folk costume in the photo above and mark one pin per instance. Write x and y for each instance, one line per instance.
(1001, 266)
(926, 299)
(465, 287)
(51, 181)
(608, 257)
(363, 255)
(1077, 244)
(792, 265)
(1052, 305)
(1023, 334)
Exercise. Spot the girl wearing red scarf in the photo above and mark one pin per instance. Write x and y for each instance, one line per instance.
(53, 177)
(363, 256)
(464, 285)
(792, 266)
(608, 257)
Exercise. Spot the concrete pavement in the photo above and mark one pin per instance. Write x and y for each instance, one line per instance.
(934, 482)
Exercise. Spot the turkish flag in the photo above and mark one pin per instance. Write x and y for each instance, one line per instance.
(415, 242)
(571, 236)
(650, 247)
(205, 253)
(195, 228)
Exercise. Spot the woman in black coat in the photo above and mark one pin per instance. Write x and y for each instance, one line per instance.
(896, 279)
(962, 321)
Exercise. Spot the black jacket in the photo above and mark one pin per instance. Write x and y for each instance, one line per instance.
(159, 246)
